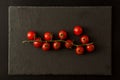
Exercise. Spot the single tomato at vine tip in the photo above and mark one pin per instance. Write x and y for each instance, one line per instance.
(79, 50)
(46, 46)
(84, 39)
(37, 43)
(56, 45)
(31, 35)
(62, 34)
(90, 47)
(78, 30)
(68, 43)
(48, 36)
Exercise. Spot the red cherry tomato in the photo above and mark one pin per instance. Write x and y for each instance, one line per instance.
(78, 30)
(62, 34)
(56, 45)
(68, 44)
(84, 39)
(79, 50)
(37, 43)
(46, 46)
(31, 35)
(90, 48)
(48, 36)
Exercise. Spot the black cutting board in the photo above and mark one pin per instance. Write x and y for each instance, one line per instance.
(25, 59)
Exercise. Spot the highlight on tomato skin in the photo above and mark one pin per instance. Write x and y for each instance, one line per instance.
(48, 36)
(31, 35)
(62, 34)
(78, 30)
(90, 47)
(56, 45)
(84, 39)
(37, 43)
(79, 50)
(46, 46)
(68, 43)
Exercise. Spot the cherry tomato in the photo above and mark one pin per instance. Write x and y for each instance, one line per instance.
(68, 44)
(37, 43)
(46, 46)
(56, 45)
(78, 30)
(48, 36)
(84, 39)
(31, 35)
(90, 48)
(79, 50)
(62, 34)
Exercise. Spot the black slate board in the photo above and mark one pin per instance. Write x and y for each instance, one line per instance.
(25, 59)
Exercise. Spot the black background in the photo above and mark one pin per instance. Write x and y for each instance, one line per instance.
(4, 36)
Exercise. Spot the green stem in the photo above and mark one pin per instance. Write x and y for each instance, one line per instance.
(82, 44)
(28, 41)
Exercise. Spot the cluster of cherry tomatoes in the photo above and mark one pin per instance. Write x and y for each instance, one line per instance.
(62, 35)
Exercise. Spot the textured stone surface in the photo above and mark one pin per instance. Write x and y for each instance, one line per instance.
(25, 59)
